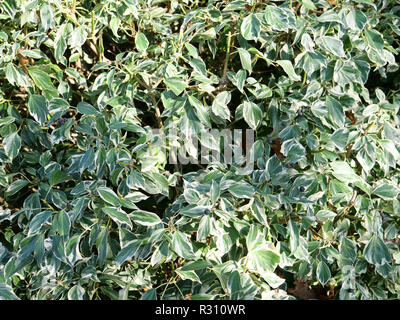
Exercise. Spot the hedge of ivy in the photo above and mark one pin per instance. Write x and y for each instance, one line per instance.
(92, 208)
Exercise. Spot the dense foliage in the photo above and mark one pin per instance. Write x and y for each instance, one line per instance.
(90, 206)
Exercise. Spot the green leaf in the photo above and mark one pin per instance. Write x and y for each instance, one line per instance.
(259, 212)
(72, 252)
(16, 186)
(142, 43)
(345, 73)
(204, 228)
(263, 261)
(12, 74)
(38, 108)
(188, 275)
(38, 221)
(215, 191)
(118, 215)
(149, 295)
(86, 108)
(46, 16)
(294, 233)
(199, 66)
(220, 105)
(250, 27)
(182, 246)
(135, 196)
(192, 50)
(62, 223)
(288, 68)
(273, 280)
(323, 273)
(374, 39)
(78, 37)
(343, 172)
(60, 46)
(356, 19)
(308, 4)
(329, 16)
(196, 265)
(115, 22)
(145, 218)
(87, 160)
(101, 245)
(57, 177)
(109, 196)
(252, 114)
(340, 138)
(325, 215)
(76, 292)
(335, 111)
(348, 251)
(245, 59)
(293, 150)
(43, 81)
(234, 286)
(7, 293)
(366, 161)
(280, 19)
(177, 85)
(201, 111)
(333, 45)
(238, 79)
(128, 251)
(254, 239)
(386, 190)
(242, 190)
(194, 210)
(376, 252)
(12, 144)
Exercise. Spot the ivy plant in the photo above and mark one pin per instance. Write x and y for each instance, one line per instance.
(91, 206)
